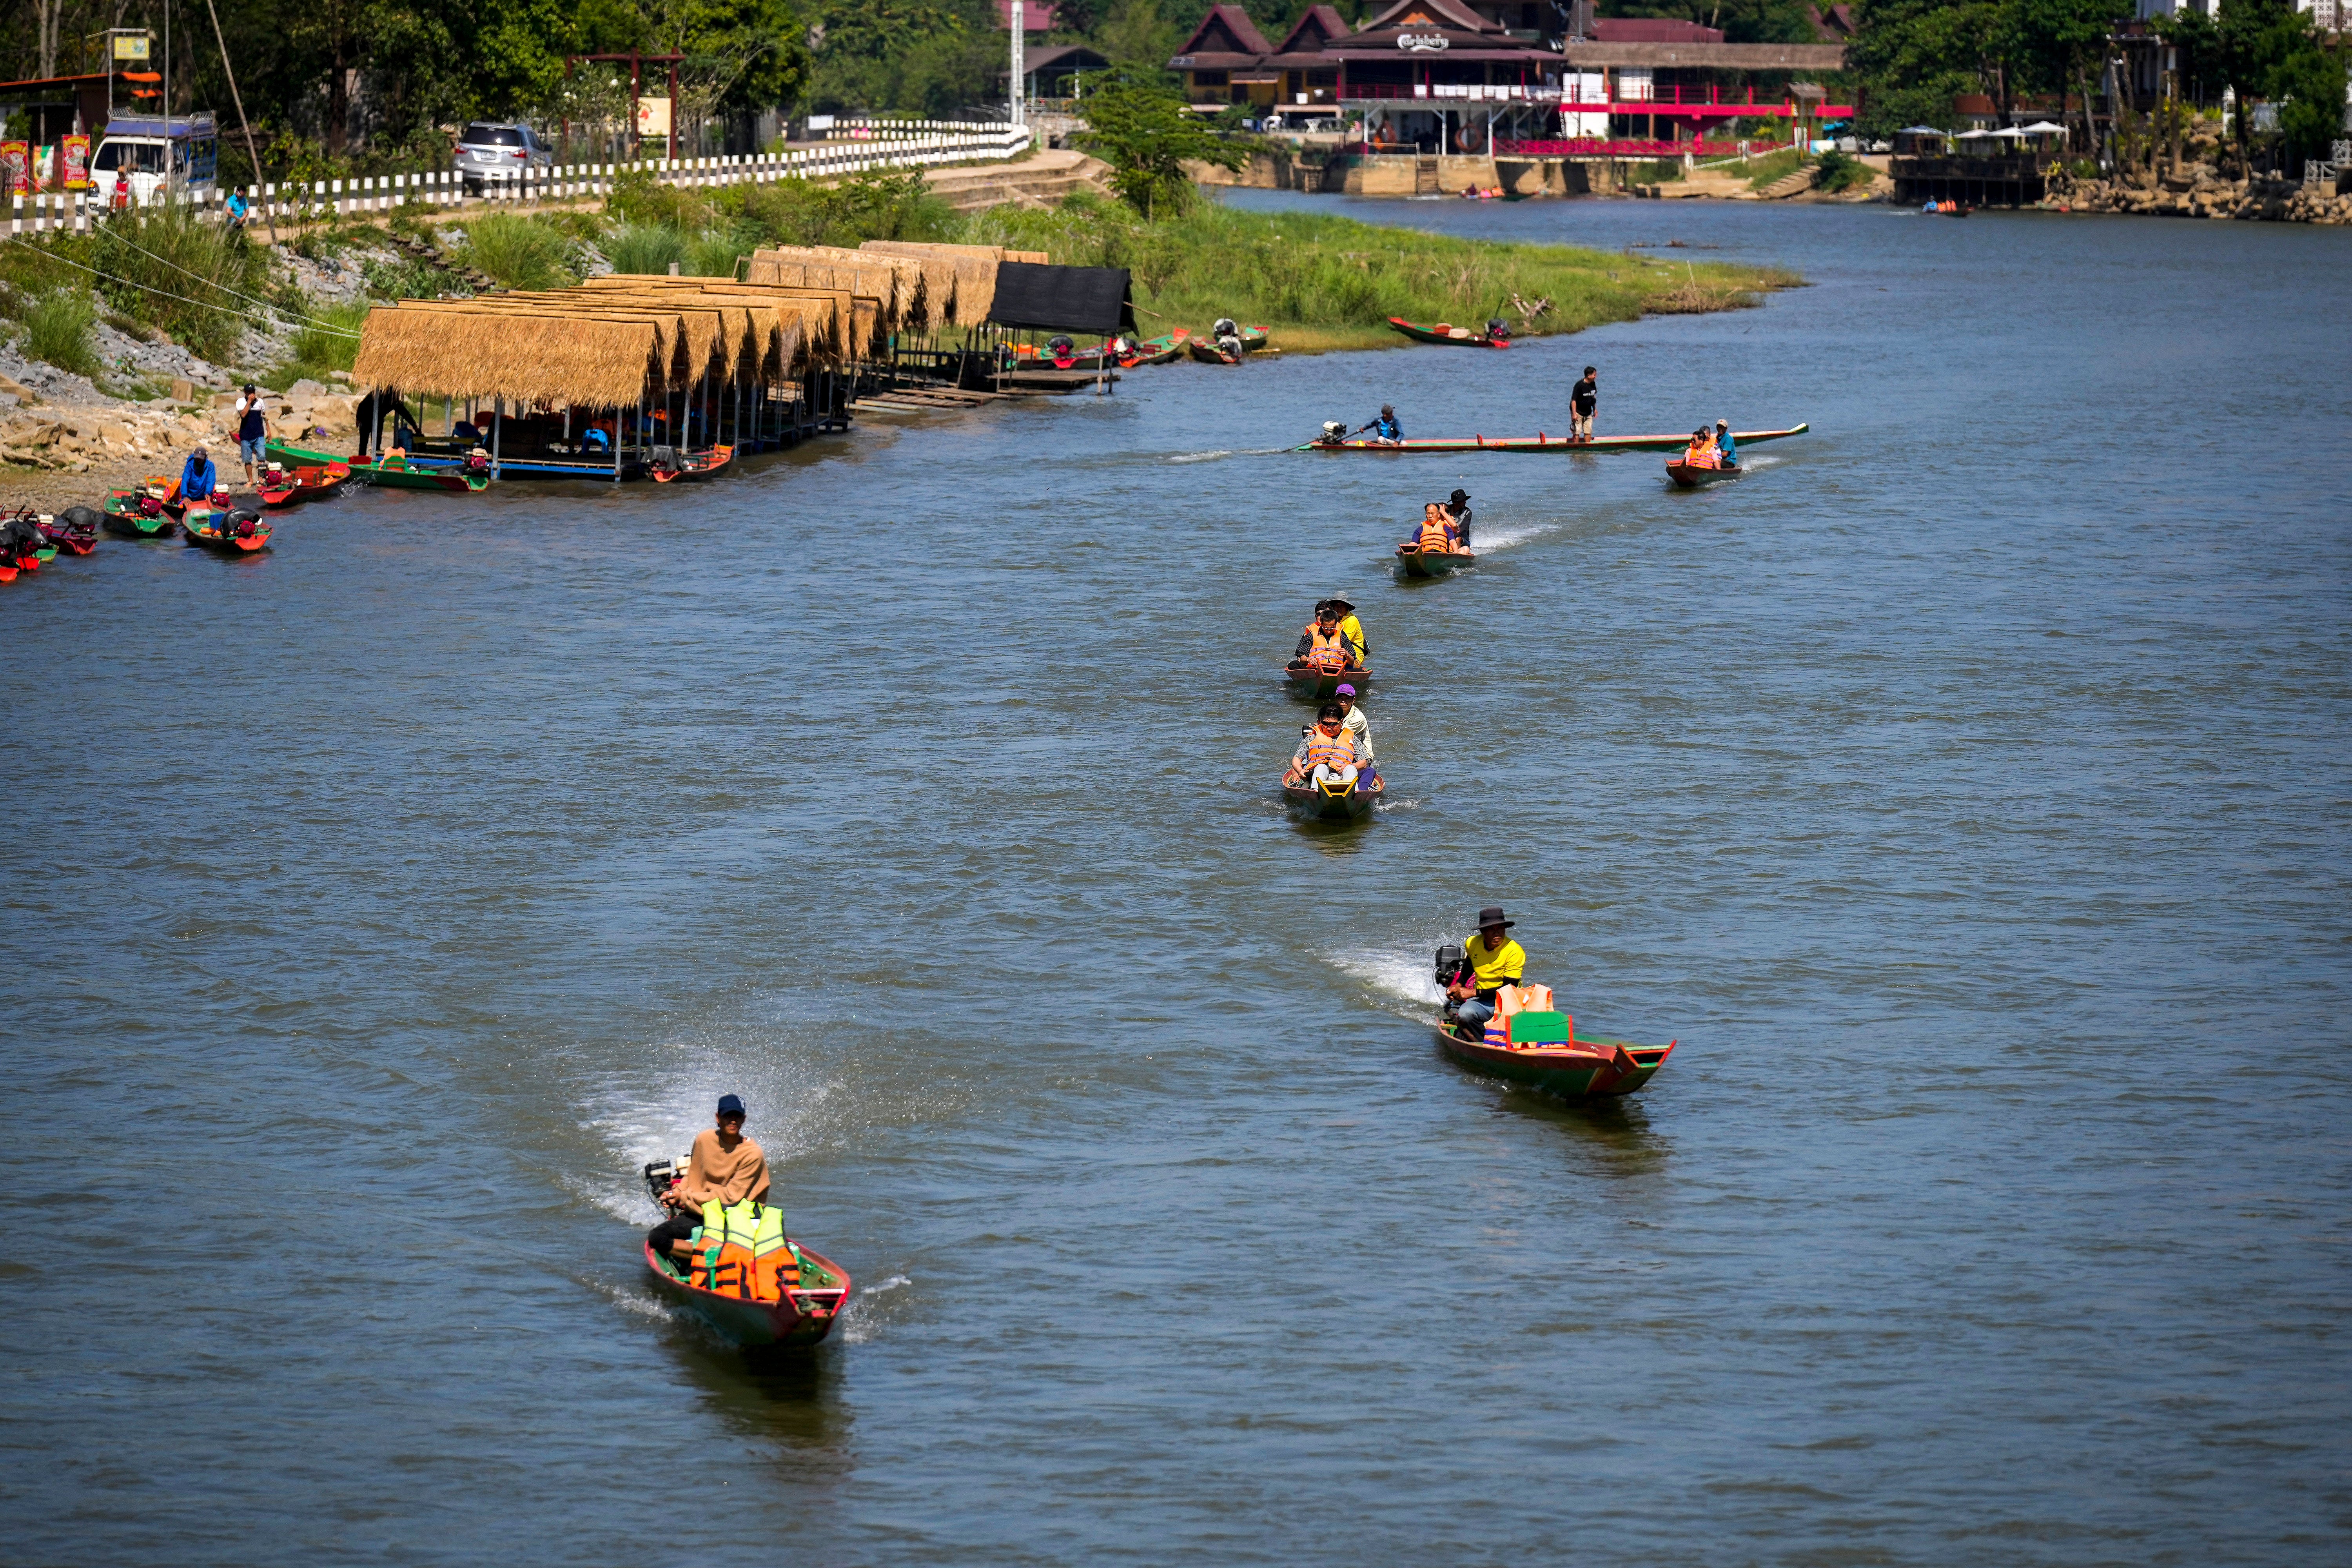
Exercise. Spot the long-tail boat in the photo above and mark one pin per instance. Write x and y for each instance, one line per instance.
(126, 518)
(393, 473)
(1415, 561)
(802, 1314)
(230, 532)
(1318, 682)
(292, 486)
(1156, 350)
(71, 534)
(1548, 446)
(1544, 1053)
(702, 465)
(1334, 801)
(1690, 475)
(1457, 336)
(1206, 349)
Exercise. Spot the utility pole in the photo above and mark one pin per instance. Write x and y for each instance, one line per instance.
(1019, 102)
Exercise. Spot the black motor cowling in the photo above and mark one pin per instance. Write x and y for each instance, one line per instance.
(1450, 960)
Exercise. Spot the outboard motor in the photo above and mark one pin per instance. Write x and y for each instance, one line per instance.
(241, 524)
(1497, 329)
(1334, 432)
(1450, 960)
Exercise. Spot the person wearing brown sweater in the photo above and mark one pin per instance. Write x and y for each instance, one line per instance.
(726, 1168)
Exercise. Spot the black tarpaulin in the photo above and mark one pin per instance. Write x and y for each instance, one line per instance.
(1063, 298)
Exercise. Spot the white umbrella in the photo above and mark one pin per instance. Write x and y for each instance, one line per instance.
(2043, 128)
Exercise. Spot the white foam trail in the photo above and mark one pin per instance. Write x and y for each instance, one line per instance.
(1198, 456)
(857, 1326)
(1407, 978)
(1406, 805)
(1484, 537)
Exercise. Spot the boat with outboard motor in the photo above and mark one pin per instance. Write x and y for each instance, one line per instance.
(1493, 335)
(283, 487)
(1328, 797)
(811, 1289)
(227, 530)
(1415, 561)
(670, 465)
(1212, 350)
(1688, 475)
(1157, 351)
(1529, 1042)
(1320, 682)
(137, 514)
(73, 531)
(1548, 446)
(392, 472)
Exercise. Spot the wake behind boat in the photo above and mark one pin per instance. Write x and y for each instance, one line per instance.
(1550, 446)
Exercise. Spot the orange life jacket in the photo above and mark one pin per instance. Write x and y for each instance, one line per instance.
(1435, 534)
(1513, 999)
(1327, 649)
(1333, 751)
(743, 1252)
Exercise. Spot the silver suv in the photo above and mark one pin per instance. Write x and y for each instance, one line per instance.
(490, 153)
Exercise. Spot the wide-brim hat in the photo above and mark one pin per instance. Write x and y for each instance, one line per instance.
(1459, 495)
(1492, 915)
(1339, 602)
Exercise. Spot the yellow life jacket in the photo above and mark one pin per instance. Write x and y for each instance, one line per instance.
(743, 1252)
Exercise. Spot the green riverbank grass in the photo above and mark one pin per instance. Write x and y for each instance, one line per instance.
(1320, 283)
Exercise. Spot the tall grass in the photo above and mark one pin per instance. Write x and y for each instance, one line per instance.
(643, 248)
(713, 255)
(57, 331)
(326, 343)
(521, 252)
(194, 280)
(1332, 281)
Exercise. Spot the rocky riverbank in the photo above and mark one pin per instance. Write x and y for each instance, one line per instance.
(2203, 190)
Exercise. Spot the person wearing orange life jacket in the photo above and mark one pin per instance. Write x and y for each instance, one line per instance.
(1323, 645)
(1327, 752)
(725, 1168)
(1492, 960)
(1700, 453)
(1436, 532)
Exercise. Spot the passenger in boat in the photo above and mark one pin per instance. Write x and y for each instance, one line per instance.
(1727, 450)
(197, 476)
(1327, 754)
(1436, 532)
(725, 1167)
(1700, 453)
(1457, 510)
(1581, 402)
(1385, 430)
(1350, 626)
(1493, 962)
(1352, 718)
(1323, 645)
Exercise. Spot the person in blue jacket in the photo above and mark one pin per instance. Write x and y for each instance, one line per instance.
(196, 477)
(1385, 429)
(1724, 446)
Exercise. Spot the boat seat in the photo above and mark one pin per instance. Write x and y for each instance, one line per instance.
(1542, 1029)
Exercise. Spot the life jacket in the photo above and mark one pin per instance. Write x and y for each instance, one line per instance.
(1701, 454)
(1511, 1001)
(1435, 535)
(1327, 649)
(1334, 752)
(743, 1252)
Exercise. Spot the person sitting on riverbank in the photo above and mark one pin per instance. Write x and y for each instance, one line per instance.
(1323, 645)
(725, 1168)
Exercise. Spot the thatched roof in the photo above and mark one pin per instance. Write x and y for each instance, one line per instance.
(545, 357)
(972, 267)
(899, 282)
(824, 317)
(707, 353)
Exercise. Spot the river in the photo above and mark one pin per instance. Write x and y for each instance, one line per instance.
(1965, 789)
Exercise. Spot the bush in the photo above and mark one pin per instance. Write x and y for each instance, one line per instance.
(328, 340)
(168, 269)
(713, 255)
(644, 247)
(874, 204)
(639, 198)
(57, 331)
(521, 252)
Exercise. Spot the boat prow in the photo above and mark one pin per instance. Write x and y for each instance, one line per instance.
(1691, 476)
(1577, 1070)
(1318, 681)
(1352, 802)
(1415, 561)
(800, 1317)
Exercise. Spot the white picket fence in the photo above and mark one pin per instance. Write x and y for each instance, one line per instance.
(856, 146)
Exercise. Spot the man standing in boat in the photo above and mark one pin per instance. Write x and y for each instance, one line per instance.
(1493, 960)
(726, 1167)
(1580, 404)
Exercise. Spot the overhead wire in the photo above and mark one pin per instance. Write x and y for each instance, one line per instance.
(200, 304)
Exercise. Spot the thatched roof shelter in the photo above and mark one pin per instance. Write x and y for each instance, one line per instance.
(971, 268)
(534, 357)
(824, 317)
(894, 288)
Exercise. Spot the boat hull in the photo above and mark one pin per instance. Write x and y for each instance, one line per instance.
(699, 466)
(803, 1319)
(197, 530)
(1320, 806)
(130, 524)
(1541, 443)
(1468, 339)
(1415, 561)
(372, 471)
(1691, 476)
(1585, 1069)
(1315, 684)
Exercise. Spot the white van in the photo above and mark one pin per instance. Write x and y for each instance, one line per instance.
(139, 150)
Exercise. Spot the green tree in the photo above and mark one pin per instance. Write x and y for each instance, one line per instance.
(1144, 132)
(2308, 87)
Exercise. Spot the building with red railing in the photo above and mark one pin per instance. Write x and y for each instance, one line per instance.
(1503, 76)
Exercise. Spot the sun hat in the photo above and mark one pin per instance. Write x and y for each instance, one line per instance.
(1492, 915)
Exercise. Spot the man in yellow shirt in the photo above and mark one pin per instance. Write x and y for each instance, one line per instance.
(1495, 961)
(1350, 627)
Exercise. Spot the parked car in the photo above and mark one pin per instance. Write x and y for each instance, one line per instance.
(140, 149)
(492, 153)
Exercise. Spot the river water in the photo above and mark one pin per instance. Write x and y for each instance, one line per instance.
(1965, 789)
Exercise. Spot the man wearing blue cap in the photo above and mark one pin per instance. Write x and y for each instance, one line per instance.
(726, 1168)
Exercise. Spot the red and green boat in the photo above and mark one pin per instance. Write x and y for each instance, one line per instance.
(385, 473)
(1544, 1053)
(222, 531)
(801, 1317)
(1548, 446)
(1455, 337)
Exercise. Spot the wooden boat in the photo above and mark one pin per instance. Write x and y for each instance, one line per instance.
(167, 489)
(803, 1317)
(699, 465)
(1691, 476)
(1318, 802)
(305, 484)
(1415, 561)
(70, 534)
(124, 519)
(208, 529)
(385, 473)
(1567, 1067)
(1157, 351)
(1317, 682)
(1548, 446)
(1206, 349)
(1457, 336)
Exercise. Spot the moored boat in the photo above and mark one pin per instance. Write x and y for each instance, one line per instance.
(1415, 561)
(1690, 475)
(73, 531)
(230, 532)
(1332, 800)
(385, 473)
(1319, 681)
(292, 486)
(699, 465)
(1453, 336)
(1156, 350)
(136, 514)
(1546, 445)
(811, 1292)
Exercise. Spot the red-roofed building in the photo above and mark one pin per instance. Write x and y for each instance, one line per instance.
(1036, 16)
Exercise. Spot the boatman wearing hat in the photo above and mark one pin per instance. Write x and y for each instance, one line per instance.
(1725, 447)
(726, 1167)
(1457, 507)
(1350, 626)
(1495, 961)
